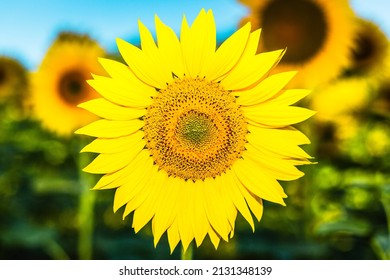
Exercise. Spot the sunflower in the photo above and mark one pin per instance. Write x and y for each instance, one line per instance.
(317, 33)
(59, 84)
(370, 50)
(381, 103)
(378, 140)
(191, 135)
(13, 80)
(339, 105)
(346, 96)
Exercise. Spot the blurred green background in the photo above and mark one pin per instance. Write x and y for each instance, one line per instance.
(339, 210)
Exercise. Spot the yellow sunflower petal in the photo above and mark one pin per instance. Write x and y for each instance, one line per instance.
(116, 179)
(252, 45)
(167, 210)
(214, 237)
(257, 182)
(138, 196)
(118, 70)
(199, 43)
(173, 236)
(127, 191)
(248, 72)
(113, 145)
(136, 199)
(228, 54)
(228, 205)
(200, 217)
(293, 135)
(276, 167)
(110, 111)
(110, 129)
(185, 229)
(122, 72)
(185, 28)
(217, 218)
(298, 162)
(285, 153)
(169, 47)
(145, 212)
(276, 116)
(250, 48)
(107, 163)
(233, 191)
(288, 97)
(274, 141)
(255, 204)
(120, 92)
(265, 90)
(149, 47)
(143, 66)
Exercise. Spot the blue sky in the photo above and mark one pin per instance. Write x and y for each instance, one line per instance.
(28, 27)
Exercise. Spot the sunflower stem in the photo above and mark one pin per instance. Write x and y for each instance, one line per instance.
(187, 254)
(86, 209)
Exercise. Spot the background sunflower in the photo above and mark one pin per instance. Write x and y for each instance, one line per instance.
(370, 52)
(59, 84)
(339, 106)
(14, 87)
(318, 35)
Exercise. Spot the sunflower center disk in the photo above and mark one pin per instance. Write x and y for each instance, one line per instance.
(72, 87)
(3, 75)
(365, 50)
(299, 25)
(194, 129)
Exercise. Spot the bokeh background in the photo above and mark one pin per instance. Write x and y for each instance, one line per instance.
(339, 210)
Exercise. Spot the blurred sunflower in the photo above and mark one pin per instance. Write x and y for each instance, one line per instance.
(378, 140)
(370, 50)
(346, 96)
(381, 103)
(59, 84)
(13, 82)
(192, 135)
(339, 106)
(317, 33)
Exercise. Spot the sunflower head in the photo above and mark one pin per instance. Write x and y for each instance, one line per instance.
(378, 140)
(340, 106)
(346, 96)
(317, 35)
(193, 134)
(298, 25)
(13, 83)
(381, 103)
(59, 84)
(370, 50)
